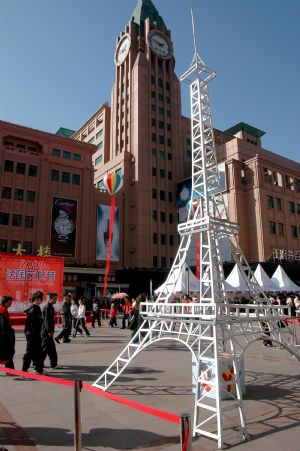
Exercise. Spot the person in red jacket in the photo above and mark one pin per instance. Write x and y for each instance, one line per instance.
(113, 315)
(7, 334)
(126, 311)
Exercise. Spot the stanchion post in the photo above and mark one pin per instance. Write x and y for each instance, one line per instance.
(77, 431)
(185, 432)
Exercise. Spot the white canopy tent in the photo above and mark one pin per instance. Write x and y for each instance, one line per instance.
(264, 281)
(187, 281)
(235, 281)
(282, 281)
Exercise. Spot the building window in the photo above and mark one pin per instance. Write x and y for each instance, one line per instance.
(189, 154)
(168, 113)
(153, 94)
(280, 229)
(19, 194)
(163, 239)
(171, 240)
(167, 86)
(54, 175)
(32, 170)
(154, 260)
(100, 132)
(153, 137)
(291, 207)
(161, 125)
(154, 238)
(154, 215)
(100, 184)
(100, 145)
(162, 216)
(154, 152)
(9, 166)
(153, 79)
(188, 141)
(161, 110)
(169, 175)
(29, 222)
(163, 262)
(162, 195)
(294, 231)
(169, 142)
(154, 193)
(270, 202)
(30, 196)
(169, 100)
(154, 172)
(272, 226)
(169, 156)
(169, 127)
(298, 209)
(98, 160)
(162, 173)
(153, 122)
(160, 83)
(170, 197)
(160, 97)
(153, 108)
(162, 154)
(4, 218)
(17, 220)
(77, 156)
(278, 203)
(6, 192)
(65, 178)
(170, 218)
(3, 245)
(75, 179)
(56, 152)
(28, 247)
(161, 139)
(67, 155)
(21, 168)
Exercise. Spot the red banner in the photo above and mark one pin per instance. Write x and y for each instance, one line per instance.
(22, 275)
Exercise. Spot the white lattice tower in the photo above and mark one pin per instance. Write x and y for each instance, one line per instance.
(212, 328)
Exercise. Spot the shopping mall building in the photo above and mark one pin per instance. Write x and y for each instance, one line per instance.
(143, 136)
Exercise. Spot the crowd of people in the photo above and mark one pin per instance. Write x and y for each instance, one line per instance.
(40, 323)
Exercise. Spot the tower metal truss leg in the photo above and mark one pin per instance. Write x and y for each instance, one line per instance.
(214, 330)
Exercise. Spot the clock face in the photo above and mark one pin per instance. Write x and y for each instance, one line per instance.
(160, 44)
(63, 225)
(122, 49)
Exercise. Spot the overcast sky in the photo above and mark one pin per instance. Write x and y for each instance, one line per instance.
(57, 61)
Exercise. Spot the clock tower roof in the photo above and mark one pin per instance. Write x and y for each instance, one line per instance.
(144, 10)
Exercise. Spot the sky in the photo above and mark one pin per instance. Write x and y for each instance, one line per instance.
(57, 61)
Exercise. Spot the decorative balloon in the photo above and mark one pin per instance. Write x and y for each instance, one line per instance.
(112, 183)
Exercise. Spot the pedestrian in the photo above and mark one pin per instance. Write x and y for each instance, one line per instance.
(7, 334)
(48, 343)
(96, 312)
(81, 319)
(66, 319)
(113, 315)
(33, 328)
(137, 320)
(126, 312)
(74, 313)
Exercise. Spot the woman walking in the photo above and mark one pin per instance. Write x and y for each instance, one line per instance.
(81, 319)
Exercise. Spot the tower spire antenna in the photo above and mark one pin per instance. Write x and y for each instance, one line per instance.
(194, 34)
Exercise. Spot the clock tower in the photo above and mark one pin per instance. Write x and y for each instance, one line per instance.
(146, 138)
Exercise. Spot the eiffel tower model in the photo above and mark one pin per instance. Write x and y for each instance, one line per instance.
(215, 331)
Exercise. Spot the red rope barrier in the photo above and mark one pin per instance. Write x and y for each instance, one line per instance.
(97, 391)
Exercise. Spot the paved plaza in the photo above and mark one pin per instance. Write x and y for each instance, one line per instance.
(36, 415)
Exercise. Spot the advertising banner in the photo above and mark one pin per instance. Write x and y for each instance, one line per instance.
(103, 215)
(22, 275)
(63, 227)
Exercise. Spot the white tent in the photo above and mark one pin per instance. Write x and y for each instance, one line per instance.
(282, 281)
(235, 280)
(187, 281)
(264, 281)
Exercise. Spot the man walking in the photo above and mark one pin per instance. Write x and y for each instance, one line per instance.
(66, 319)
(7, 334)
(33, 327)
(48, 344)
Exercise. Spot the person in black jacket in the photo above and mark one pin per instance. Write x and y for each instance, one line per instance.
(7, 334)
(48, 344)
(66, 318)
(33, 327)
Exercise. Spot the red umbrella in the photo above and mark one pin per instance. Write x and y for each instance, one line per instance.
(119, 295)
